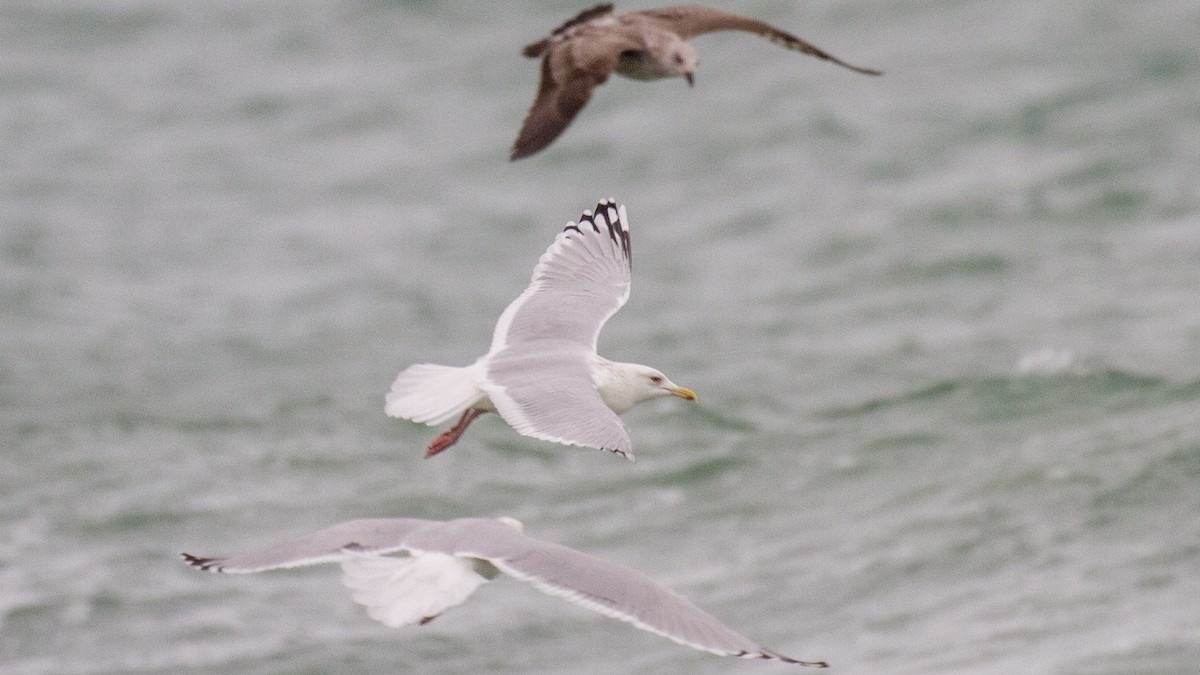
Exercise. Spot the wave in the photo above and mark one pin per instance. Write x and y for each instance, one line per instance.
(1032, 392)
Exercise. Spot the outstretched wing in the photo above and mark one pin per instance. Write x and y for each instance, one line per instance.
(579, 282)
(549, 394)
(451, 559)
(573, 65)
(367, 535)
(539, 368)
(563, 90)
(623, 593)
(396, 591)
(689, 22)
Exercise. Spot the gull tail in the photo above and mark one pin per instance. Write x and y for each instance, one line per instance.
(431, 394)
(410, 590)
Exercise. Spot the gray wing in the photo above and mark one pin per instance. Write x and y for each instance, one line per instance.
(396, 591)
(547, 392)
(539, 366)
(368, 535)
(605, 587)
(689, 22)
(579, 282)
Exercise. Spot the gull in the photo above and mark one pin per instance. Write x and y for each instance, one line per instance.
(447, 560)
(542, 373)
(649, 45)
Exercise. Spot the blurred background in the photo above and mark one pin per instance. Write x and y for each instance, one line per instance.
(944, 326)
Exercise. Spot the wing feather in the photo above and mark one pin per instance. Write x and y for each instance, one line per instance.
(373, 535)
(550, 395)
(622, 593)
(539, 368)
(689, 22)
(581, 280)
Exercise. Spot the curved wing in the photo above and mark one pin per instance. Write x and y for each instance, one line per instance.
(396, 591)
(599, 585)
(689, 22)
(539, 368)
(447, 565)
(572, 67)
(577, 284)
(367, 535)
(548, 394)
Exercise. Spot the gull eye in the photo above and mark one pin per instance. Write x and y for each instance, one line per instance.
(656, 379)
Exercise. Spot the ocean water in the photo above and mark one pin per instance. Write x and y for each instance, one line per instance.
(944, 326)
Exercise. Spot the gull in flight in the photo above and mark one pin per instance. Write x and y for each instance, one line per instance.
(542, 373)
(649, 45)
(447, 560)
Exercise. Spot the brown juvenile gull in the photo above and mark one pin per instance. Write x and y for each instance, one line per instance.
(447, 560)
(649, 45)
(542, 373)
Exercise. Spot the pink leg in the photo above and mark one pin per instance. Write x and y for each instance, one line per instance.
(451, 435)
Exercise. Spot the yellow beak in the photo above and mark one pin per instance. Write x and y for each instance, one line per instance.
(683, 393)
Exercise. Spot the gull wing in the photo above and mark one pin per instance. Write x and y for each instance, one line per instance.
(367, 535)
(689, 22)
(539, 367)
(609, 588)
(572, 68)
(577, 284)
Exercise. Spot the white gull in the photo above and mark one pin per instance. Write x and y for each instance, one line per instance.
(447, 560)
(542, 373)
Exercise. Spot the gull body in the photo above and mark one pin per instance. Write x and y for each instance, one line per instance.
(542, 373)
(579, 55)
(446, 561)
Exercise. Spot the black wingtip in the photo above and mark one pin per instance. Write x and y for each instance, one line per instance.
(768, 655)
(617, 451)
(798, 662)
(618, 229)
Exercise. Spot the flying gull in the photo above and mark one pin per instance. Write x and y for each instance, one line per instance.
(542, 373)
(580, 54)
(448, 560)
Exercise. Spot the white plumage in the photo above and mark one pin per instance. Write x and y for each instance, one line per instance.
(415, 589)
(542, 372)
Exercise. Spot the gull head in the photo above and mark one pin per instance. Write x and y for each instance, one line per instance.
(684, 60)
(623, 385)
(665, 55)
